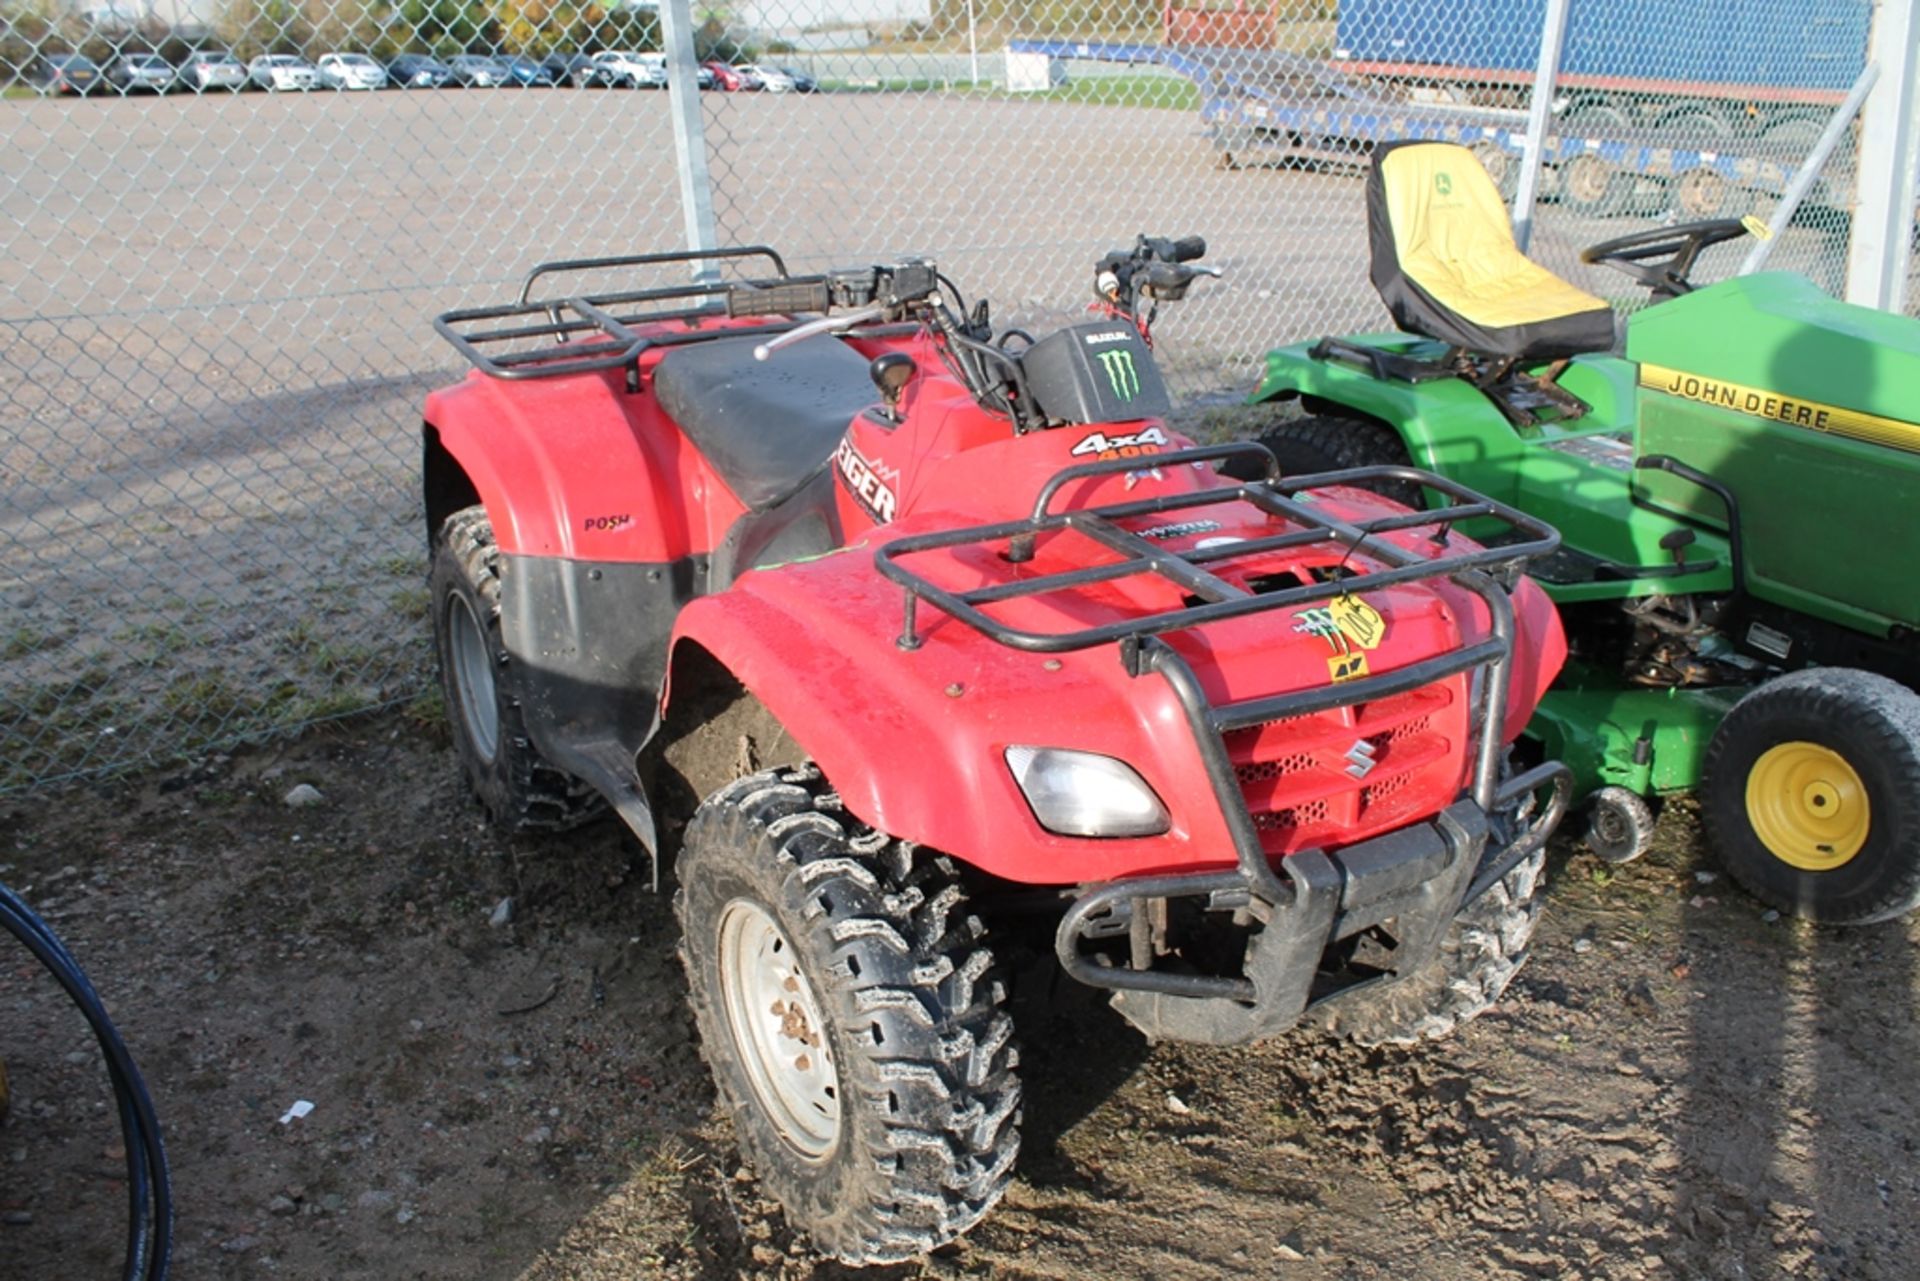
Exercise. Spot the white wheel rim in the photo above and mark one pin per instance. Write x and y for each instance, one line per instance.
(473, 689)
(777, 1031)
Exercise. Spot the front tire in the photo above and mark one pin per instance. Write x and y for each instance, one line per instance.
(1480, 955)
(518, 787)
(849, 1012)
(1812, 795)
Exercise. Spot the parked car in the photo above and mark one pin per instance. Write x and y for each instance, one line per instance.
(208, 69)
(418, 71)
(67, 73)
(803, 82)
(473, 71)
(729, 79)
(349, 71)
(574, 69)
(772, 79)
(281, 71)
(133, 72)
(526, 73)
(633, 70)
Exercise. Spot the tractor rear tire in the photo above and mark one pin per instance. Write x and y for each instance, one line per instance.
(1334, 442)
(1479, 957)
(518, 787)
(851, 1016)
(1811, 795)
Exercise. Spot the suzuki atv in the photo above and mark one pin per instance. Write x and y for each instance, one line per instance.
(965, 623)
(1737, 498)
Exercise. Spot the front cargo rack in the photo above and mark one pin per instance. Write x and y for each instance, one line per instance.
(576, 333)
(1487, 571)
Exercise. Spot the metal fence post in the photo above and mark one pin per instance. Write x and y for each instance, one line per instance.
(689, 125)
(1553, 39)
(1889, 151)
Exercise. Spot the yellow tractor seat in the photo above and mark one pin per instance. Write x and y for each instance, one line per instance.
(1445, 263)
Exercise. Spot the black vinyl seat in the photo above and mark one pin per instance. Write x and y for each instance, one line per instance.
(1446, 265)
(767, 426)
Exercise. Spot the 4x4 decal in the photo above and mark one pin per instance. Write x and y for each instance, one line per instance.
(1101, 445)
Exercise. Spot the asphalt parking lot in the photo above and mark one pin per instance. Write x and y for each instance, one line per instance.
(219, 316)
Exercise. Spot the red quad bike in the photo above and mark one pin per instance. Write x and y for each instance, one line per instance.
(927, 619)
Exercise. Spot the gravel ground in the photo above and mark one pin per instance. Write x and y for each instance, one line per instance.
(1676, 1086)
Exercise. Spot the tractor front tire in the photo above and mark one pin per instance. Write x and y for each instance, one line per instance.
(1335, 442)
(851, 1016)
(1812, 795)
(1620, 825)
(1480, 955)
(519, 788)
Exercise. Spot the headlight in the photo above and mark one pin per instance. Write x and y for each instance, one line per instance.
(1083, 794)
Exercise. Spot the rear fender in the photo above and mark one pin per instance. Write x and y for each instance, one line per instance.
(1446, 425)
(574, 467)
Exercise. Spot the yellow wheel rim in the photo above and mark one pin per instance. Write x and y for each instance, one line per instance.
(1807, 806)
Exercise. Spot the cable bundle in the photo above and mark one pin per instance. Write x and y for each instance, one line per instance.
(149, 1190)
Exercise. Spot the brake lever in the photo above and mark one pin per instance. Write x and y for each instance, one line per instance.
(824, 325)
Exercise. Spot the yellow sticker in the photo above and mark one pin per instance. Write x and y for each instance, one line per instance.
(1347, 667)
(1360, 621)
(1757, 228)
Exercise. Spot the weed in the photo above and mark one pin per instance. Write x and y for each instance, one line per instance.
(27, 639)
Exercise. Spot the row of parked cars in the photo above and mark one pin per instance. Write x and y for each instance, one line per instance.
(208, 70)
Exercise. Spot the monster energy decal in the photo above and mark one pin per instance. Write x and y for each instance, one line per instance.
(1121, 375)
(1348, 624)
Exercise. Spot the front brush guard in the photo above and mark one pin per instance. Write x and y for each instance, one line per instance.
(1419, 876)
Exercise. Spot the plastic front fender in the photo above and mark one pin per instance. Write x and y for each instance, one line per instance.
(914, 741)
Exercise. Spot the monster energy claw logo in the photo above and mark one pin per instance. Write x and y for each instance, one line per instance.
(1121, 375)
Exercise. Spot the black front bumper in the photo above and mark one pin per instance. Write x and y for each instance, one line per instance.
(1418, 877)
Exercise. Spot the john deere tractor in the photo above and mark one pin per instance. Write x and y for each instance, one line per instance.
(1737, 493)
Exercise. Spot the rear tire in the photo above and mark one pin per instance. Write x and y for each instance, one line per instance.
(1329, 442)
(519, 789)
(877, 1099)
(1812, 795)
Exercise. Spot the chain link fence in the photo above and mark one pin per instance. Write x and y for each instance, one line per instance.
(218, 297)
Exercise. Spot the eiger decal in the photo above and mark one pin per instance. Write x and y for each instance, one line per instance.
(1101, 445)
(870, 483)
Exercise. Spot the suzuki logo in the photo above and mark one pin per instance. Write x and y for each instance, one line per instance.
(1121, 375)
(1361, 757)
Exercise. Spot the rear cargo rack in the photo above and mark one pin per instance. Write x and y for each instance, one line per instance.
(1488, 572)
(582, 332)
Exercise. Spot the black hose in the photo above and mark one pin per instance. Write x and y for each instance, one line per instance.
(149, 1189)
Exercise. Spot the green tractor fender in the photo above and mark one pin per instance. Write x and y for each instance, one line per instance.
(1446, 424)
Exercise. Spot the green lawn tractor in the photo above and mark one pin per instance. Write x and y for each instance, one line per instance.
(1739, 498)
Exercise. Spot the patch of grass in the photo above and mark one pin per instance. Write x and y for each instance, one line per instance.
(402, 566)
(25, 639)
(1161, 93)
(413, 602)
(161, 640)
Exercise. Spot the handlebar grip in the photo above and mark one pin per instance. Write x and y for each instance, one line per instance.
(1187, 248)
(778, 300)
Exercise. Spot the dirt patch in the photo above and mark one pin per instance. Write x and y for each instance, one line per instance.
(1676, 1086)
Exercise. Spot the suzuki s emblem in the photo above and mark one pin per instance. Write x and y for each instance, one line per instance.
(1121, 375)
(1361, 759)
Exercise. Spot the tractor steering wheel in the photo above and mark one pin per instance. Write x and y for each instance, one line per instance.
(1661, 258)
